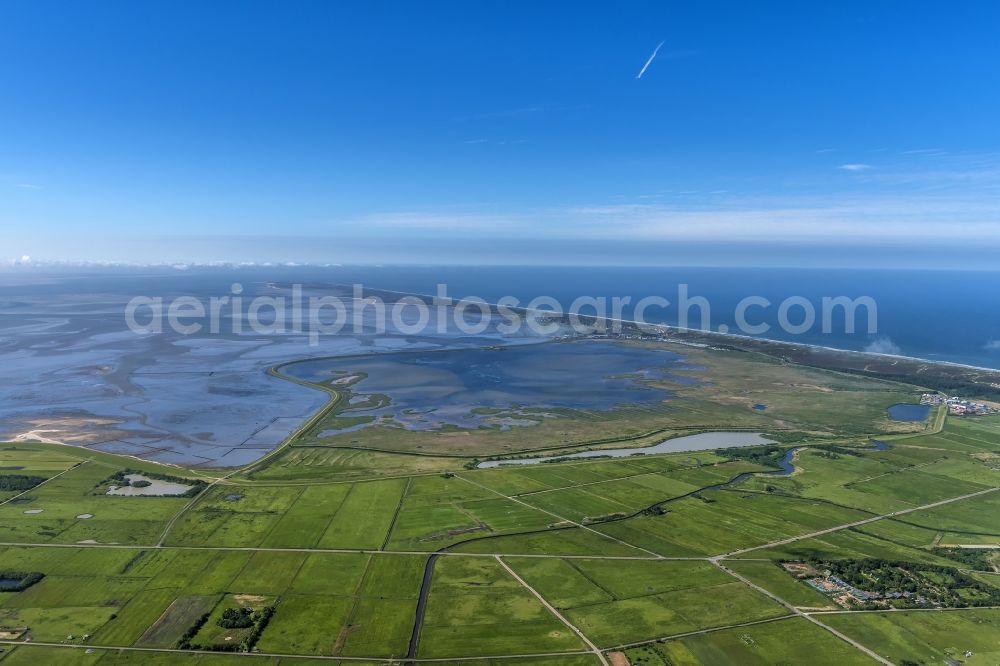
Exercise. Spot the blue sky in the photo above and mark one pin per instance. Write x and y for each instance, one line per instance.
(500, 132)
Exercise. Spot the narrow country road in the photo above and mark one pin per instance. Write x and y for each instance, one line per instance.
(856, 523)
(552, 609)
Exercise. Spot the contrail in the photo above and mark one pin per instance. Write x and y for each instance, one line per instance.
(650, 61)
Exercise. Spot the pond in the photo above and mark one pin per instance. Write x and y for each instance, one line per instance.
(499, 388)
(702, 442)
(155, 487)
(906, 411)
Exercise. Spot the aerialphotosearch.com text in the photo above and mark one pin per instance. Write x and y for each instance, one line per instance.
(301, 312)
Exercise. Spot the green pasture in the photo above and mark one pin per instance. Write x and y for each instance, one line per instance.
(476, 608)
(926, 636)
(788, 641)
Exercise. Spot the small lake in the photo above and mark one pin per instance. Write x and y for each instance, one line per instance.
(155, 487)
(906, 411)
(705, 441)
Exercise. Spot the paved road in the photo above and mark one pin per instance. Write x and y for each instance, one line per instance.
(297, 657)
(901, 610)
(422, 553)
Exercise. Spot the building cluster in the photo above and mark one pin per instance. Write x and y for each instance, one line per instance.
(842, 592)
(833, 585)
(958, 406)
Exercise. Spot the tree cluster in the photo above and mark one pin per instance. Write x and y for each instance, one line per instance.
(766, 456)
(236, 618)
(19, 482)
(944, 586)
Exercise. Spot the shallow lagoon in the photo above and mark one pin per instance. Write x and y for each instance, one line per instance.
(504, 388)
(701, 442)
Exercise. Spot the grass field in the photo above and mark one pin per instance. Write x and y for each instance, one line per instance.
(882, 483)
(724, 521)
(477, 608)
(67, 509)
(927, 637)
(791, 641)
(616, 603)
(36, 464)
(773, 578)
(168, 628)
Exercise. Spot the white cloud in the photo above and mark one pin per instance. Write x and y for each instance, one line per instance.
(925, 151)
(883, 346)
(855, 167)
(429, 221)
(881, 218)
(871, 219)
(27, 186)
(992, 345)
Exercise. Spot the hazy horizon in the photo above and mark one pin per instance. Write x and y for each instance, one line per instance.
(318, 251)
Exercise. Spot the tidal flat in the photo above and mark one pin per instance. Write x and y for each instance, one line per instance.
(72, 372)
